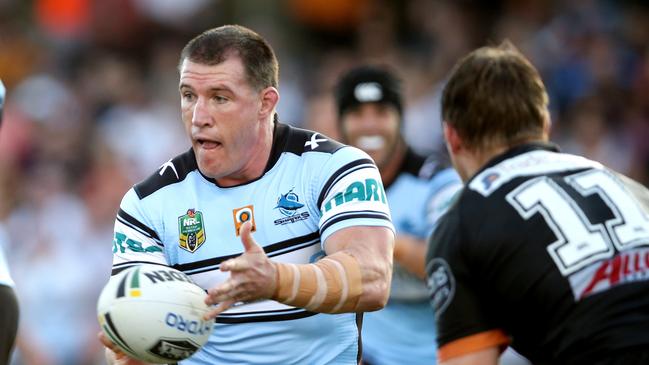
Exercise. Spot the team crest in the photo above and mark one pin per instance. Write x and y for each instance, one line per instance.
(288, 204)
(241, 216)
(192, 230)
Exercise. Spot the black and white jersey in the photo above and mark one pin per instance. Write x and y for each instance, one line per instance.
(547, 250)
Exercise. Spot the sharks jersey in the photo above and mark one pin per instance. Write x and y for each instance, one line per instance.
(401, 332)
(312, 187)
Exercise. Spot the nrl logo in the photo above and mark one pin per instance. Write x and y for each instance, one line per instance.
(192, 230)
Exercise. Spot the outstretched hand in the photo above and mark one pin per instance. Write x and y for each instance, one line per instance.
(252, 276)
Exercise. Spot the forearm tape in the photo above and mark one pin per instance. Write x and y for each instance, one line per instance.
(332, 285)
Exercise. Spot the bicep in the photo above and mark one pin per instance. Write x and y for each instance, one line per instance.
(365, 240)
(371, 247)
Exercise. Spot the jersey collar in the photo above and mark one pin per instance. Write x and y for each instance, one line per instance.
(280, 136)
(515, 151)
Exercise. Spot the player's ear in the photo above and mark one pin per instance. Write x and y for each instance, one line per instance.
(269, 99)
(453, 140)
(547, 125)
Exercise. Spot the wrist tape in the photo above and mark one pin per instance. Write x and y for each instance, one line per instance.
(332, 285)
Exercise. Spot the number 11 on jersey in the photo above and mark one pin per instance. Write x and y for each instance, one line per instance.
(579, 242)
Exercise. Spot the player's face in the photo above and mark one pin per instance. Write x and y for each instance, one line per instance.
(374, 128)
(221, 114)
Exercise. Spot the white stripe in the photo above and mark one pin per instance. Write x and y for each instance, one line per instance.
(343, 282)
(527, 164)
(321, 292)
(296, 282)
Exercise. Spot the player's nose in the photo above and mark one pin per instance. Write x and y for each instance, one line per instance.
(200, 115)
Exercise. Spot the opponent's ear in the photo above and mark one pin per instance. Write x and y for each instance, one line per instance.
(269, 99)
(453, 140)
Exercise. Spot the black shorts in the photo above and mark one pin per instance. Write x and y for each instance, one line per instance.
(8, 322)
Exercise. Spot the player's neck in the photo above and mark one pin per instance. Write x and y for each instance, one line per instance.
(256, 165)
(390, 169)
(475, 160)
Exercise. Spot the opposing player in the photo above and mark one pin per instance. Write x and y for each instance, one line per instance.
(369, 100)
(8, 302)
(316, 207)
(543, 250)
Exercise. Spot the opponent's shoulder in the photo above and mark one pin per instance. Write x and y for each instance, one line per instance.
(173, 171)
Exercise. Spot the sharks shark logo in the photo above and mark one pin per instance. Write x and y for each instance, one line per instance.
(288, 204)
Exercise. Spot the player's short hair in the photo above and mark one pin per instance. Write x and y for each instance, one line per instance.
(218, 44)
(495, 97)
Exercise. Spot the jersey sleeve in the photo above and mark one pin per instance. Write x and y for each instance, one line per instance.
(351, 193)
(462, 314)
(135, 240)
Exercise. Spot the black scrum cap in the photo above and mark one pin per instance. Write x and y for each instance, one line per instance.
(367, 84)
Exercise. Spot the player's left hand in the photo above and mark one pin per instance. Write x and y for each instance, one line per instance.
(252, 276)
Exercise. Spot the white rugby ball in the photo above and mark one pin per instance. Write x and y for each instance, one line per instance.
(154, 313)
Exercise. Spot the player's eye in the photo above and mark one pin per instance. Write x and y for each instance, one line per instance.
(188, 96)
(220, 99)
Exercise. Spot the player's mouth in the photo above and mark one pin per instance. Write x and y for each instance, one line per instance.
(370, 142)
(208, 144)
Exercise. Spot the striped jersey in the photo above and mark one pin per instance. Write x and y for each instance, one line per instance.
(312, 187)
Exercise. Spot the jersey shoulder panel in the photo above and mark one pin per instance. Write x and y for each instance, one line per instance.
(173, 171)
(299, 141)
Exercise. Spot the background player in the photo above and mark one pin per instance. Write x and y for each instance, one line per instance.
(304, 195)
(543, 249)
(369, 100)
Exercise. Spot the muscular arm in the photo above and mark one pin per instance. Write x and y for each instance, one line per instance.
(353, 277)
(372, 248)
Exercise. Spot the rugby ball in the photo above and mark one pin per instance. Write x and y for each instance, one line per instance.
(154, 313)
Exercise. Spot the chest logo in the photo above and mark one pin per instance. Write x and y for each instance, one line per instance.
(241, 216)
(191, 227)
(288, 204)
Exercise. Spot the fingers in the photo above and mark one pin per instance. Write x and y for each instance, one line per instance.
(236, 264)
(106, 342)
(220, 293)
(222, 307)
(249, 243)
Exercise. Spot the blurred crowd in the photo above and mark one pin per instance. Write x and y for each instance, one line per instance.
(93, 108)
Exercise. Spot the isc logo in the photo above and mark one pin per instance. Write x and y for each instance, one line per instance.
(193, 327)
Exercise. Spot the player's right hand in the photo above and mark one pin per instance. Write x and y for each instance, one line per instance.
(116, 357)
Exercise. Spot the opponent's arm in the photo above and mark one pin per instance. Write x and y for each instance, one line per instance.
(8, 322)
(488, 356)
